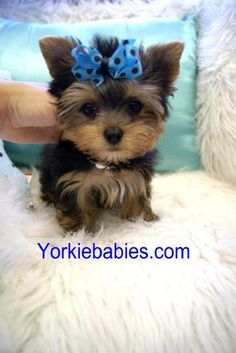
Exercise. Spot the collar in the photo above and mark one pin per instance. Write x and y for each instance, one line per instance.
(110, 167)
(144, 162)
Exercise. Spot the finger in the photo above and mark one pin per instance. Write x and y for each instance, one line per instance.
(31, 135)
(28, 105)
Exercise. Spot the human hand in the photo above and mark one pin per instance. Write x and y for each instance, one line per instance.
(27, 113)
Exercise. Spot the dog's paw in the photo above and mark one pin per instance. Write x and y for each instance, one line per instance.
(150, 217)
(92, 229)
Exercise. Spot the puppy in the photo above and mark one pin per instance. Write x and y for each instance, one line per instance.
(112, 104)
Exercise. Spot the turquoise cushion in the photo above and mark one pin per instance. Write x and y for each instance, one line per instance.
(20, 54)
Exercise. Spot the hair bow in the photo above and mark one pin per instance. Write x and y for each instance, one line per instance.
(89, 63)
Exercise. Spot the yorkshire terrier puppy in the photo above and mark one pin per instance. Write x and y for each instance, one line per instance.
(112, 104)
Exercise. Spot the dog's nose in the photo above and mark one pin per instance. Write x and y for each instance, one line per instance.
(113, 135)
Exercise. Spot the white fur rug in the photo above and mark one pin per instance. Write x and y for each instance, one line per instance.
(47, 11)
(216, 113)
(118, 306)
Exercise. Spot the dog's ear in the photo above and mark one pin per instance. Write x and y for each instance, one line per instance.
(57, 54)
(161, 65)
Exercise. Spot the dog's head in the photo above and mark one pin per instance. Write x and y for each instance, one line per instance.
(119, 119)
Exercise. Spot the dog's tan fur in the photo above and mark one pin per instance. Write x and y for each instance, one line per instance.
(140, 134)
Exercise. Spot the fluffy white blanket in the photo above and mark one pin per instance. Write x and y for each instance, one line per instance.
(139, 306)
(48, 11)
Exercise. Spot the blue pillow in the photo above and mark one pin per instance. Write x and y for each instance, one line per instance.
(20, 54)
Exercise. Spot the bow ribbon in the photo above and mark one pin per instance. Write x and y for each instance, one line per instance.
(124, 63)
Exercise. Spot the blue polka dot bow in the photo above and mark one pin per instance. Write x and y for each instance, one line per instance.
(91, 65)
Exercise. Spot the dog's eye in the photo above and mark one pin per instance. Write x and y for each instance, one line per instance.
(89, 109)
(135, 106)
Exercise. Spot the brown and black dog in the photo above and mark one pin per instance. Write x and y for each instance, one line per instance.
(106, 156)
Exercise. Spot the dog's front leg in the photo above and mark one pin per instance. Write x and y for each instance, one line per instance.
(83, 215)
(148, 214)
(89, 212)
(69, 221)
(131, 208)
